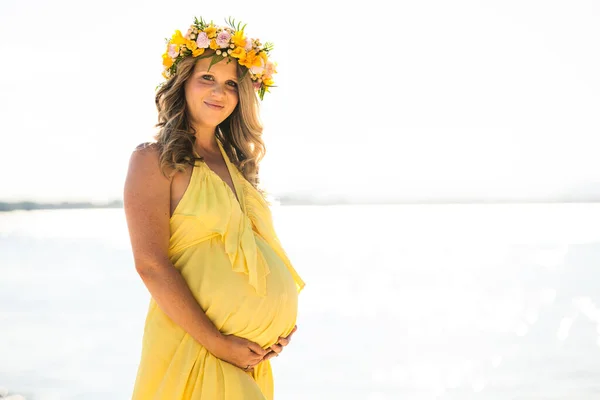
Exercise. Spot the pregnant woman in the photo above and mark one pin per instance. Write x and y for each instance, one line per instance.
(224, 295)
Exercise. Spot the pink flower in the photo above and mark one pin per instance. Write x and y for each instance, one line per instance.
(202, 41)
(270, 68)
(173, 50)
(223, 39)
(248, 44)
(258, 70)
(256, 85)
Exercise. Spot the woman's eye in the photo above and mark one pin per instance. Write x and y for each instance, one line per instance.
(211, 78)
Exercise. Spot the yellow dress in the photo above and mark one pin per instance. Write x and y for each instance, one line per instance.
(231, 258)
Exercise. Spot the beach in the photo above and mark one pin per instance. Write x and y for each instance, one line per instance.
(402, 302)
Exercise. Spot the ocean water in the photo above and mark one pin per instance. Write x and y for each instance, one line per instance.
(401, 302)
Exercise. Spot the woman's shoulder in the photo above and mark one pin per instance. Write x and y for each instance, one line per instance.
(145, 160)
(146, 150)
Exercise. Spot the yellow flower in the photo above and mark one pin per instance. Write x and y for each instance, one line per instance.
(251, 60)
(197, 52)
(164, 74)
(238, 39)
(211, 31)
(167, 61)
(190, 44)
(213, 44)
(256, 62)
(238, 52)
(178, 38)
(263, 55)
(268, 82)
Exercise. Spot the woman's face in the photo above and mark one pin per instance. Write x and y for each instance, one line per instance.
(211, 96)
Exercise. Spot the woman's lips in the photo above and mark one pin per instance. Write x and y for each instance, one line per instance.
(213, 106)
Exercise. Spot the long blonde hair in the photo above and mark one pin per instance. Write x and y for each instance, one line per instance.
(240, 133)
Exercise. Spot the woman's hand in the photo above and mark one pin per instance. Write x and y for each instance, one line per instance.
(278, 347)
(240, 352)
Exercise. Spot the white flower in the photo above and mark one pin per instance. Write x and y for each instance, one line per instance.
(248, 45)
(223, 39)
(203, 41)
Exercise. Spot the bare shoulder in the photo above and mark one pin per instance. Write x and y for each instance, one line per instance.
(146, 200)
(145, 155)
(144, 161)
(145, 180)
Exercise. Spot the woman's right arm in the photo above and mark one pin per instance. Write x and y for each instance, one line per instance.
(146, 200)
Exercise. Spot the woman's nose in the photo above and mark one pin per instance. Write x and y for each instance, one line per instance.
(218, 90)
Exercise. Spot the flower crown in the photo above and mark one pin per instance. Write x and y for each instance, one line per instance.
(228, 42)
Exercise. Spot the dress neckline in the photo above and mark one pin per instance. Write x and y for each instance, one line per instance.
(238, 195)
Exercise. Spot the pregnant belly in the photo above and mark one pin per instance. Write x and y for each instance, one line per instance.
(230, 302)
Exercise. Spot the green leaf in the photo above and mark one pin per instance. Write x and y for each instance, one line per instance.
(261, 92)
(231, 22)
(268, 47)
(236, 27)
(202, 23)
(216, 58)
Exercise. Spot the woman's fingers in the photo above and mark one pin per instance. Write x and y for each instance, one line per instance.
(257, 349)
(252, 362)
(277, 348)
(259, 354)
(270, 355)
(254, 357)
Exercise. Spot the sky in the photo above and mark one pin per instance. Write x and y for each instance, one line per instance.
(378, 99)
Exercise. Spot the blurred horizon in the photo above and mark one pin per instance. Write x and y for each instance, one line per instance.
(419, 101)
